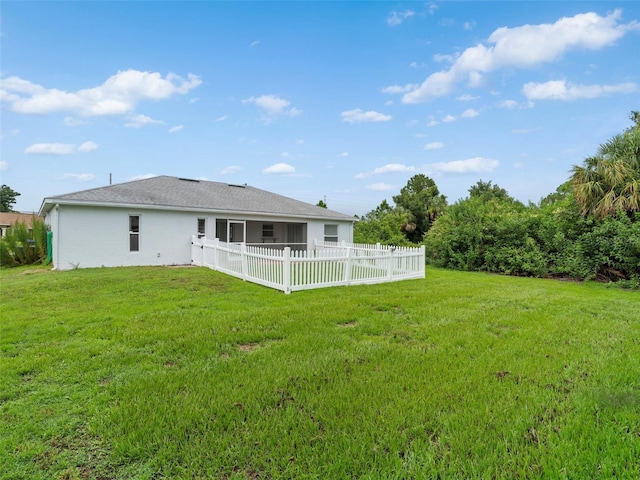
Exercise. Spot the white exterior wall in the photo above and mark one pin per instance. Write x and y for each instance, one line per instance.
(86, 236)
(315, 230)
(94, 237)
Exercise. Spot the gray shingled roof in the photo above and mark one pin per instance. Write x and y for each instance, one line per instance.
(173, 192)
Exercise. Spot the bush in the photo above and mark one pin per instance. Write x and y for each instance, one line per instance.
(503, 236)
(23, 247)
(609, 252)
(492, 235)
(382, 225)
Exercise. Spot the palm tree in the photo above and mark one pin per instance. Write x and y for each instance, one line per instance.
(609, 182)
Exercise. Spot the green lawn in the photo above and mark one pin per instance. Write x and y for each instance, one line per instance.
(188, 373)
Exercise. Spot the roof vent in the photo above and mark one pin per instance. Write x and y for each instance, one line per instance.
(235, 185)
(189, 180)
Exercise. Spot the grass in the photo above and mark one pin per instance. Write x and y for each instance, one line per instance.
(187, 373)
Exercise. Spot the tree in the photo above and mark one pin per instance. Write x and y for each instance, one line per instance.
(321, 203)
(382, 225)
(421, 199)
(486, 191)
(7, 198)
(609, 182)
(635, 118)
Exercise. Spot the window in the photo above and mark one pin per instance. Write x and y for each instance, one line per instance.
(221, 229)
(267, 230)
(134, 233)
(202, 227)
(331, 233)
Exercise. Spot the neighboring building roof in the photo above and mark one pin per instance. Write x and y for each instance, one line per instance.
(184, 194)
(10, 218)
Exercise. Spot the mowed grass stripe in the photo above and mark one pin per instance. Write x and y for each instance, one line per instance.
(188, 373)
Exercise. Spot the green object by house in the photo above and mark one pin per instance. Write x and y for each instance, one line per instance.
(49, 246)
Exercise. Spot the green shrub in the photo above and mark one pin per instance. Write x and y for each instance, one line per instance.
(23, 247)
(382, 225)
(493, 235)
(610, 251)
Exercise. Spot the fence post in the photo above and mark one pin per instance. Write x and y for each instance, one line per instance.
(347, 269)
(204, 251)
(286, 273)
(216, 253)
(390, 268)
(243, 259)
(423, 261)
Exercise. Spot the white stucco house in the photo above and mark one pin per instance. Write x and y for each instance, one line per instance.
(152, 221)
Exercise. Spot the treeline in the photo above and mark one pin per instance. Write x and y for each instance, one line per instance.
(589, 228)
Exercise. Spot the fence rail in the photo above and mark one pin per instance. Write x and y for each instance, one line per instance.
(327, 265)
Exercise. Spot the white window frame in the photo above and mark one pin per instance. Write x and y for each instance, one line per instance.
(202, 232)
(134, 232)
(331, 232)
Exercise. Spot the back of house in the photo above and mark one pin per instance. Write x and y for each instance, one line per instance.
(152, 221)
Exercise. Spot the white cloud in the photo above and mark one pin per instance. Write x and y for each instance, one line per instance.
(380, 187)
(51, 149)
(449, 118)
(471, 165)
(87, 147)
(118, 95)
(469, 113)
(359, 116)
(279, 168)
(432, 123)
(73, 122)
(440, 58)
(525, 46)
(469, 25)
(60, 148)
(4, 165)
(273, 107)
(230, 169)
(138, 121)
(255, 43)
(561, 90)
(396, 18)
(395, 89)
(81, 177)
(222, 118)
(344, 154)
(467, 97)
(389, 168)
(434, 146)
(508, 104)
(176, 129)
(143, 176)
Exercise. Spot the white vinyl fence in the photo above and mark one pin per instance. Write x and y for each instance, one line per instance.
(327, 265)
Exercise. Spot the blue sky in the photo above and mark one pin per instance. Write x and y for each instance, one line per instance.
(342, 101)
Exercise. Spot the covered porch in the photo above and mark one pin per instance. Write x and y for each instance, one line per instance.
(277, 235)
